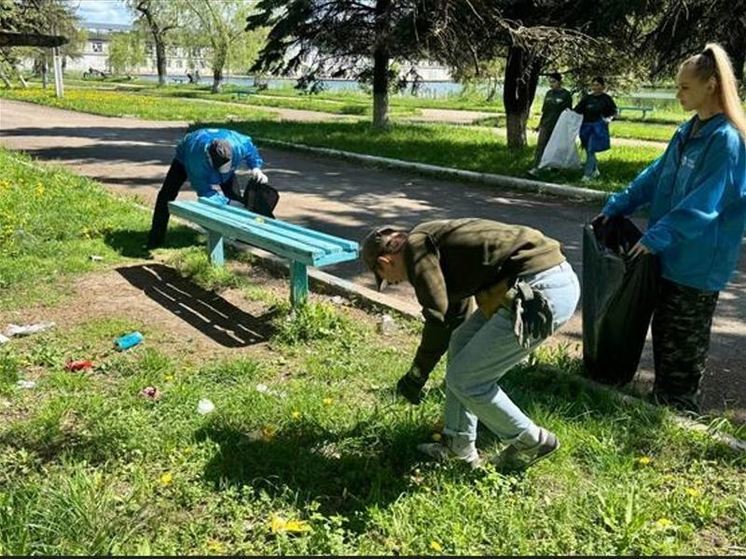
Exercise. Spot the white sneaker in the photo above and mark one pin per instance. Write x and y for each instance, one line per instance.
(533, 172)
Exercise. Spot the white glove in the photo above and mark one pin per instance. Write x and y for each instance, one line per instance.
(608, 119)
(256, 175)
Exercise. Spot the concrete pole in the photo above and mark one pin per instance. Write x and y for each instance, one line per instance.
(58, 87)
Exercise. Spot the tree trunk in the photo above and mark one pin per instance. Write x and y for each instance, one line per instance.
(521, 79)
(158, 38)
(736, 49)
(380, 88)
(217, 79)
(160, 59)
(381, 57)
(5, 79)
(220, 57)
(44, 71)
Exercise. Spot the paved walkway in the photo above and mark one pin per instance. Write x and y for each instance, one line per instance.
(131, 156)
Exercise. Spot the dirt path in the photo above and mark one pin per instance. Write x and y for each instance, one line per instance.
(131, 156)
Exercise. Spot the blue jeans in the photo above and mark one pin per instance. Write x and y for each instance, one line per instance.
(591, 163)
(482, 350)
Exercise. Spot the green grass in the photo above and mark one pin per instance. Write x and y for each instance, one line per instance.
(307, 429)
(52, 222)
(467, 148)
(117, 103)
(304, 103)
(668, 112)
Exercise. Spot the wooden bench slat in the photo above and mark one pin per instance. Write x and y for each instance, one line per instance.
(272, 225)
(234, 229)
(344, 243)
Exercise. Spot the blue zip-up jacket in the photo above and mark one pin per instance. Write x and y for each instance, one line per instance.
(192, 153)
(697, 196)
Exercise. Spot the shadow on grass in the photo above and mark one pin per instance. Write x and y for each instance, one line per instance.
(131, 243)
(205, 310)
(318, 466)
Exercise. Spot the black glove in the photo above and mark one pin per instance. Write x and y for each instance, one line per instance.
(532, 317)
(411, 384)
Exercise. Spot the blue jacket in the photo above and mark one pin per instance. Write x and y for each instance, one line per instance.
(697, 196)
(192, 153)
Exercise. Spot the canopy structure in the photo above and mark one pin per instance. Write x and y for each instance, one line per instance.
(15, 39)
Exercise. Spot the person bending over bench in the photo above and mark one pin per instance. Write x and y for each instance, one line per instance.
(209, 157)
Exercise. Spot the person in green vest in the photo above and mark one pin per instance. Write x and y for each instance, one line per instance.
(556, 100)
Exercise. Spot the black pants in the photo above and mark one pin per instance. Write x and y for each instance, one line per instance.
(545, 132)
(175, 179)
(681, 340)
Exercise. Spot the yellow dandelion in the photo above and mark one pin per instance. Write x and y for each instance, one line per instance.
(327, 401)
(295, 414)
(167, 478)
(644, 460)
(692, 491)
(280, 524)
(663, 523)
(216, 547)
(168, 378)
(435, 546)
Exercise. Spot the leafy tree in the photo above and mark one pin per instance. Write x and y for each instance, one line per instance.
(682, 28)
(218, 25)
(161, 18)
(587, 36)
(36, 22)
(126, 51)
(341, 38)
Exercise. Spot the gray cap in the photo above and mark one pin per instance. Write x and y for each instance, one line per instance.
(221, 154)
(373, 246)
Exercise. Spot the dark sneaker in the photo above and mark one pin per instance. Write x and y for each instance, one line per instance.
(442, 452)
(519, 457)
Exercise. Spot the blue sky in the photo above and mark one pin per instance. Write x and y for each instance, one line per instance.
(102, 11)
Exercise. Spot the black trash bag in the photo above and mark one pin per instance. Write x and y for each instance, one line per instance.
(619, 296)
(257, 197)
(260, 198)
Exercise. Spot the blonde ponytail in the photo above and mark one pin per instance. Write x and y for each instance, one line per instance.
(714, 62)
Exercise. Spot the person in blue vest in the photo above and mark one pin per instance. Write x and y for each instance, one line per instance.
(696, 194)
(208, 158)
(598, 109)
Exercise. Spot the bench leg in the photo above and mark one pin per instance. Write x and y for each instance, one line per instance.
(215, 248)
(298, 283)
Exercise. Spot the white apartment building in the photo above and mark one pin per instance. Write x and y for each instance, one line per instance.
(181, 60)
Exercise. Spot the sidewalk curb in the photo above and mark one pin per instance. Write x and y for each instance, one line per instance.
(514, 183)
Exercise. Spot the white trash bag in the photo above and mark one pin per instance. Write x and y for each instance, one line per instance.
(561, 152)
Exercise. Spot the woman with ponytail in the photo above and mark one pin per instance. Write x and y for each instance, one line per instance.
(696, 193)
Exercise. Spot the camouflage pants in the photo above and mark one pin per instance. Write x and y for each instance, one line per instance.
(681, 340)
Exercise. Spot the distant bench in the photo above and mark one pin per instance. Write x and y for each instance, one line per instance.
(250, 91)
(643, 110)
(303, 247)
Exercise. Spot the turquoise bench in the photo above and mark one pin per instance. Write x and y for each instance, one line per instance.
(303, 247)
(643, 110)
